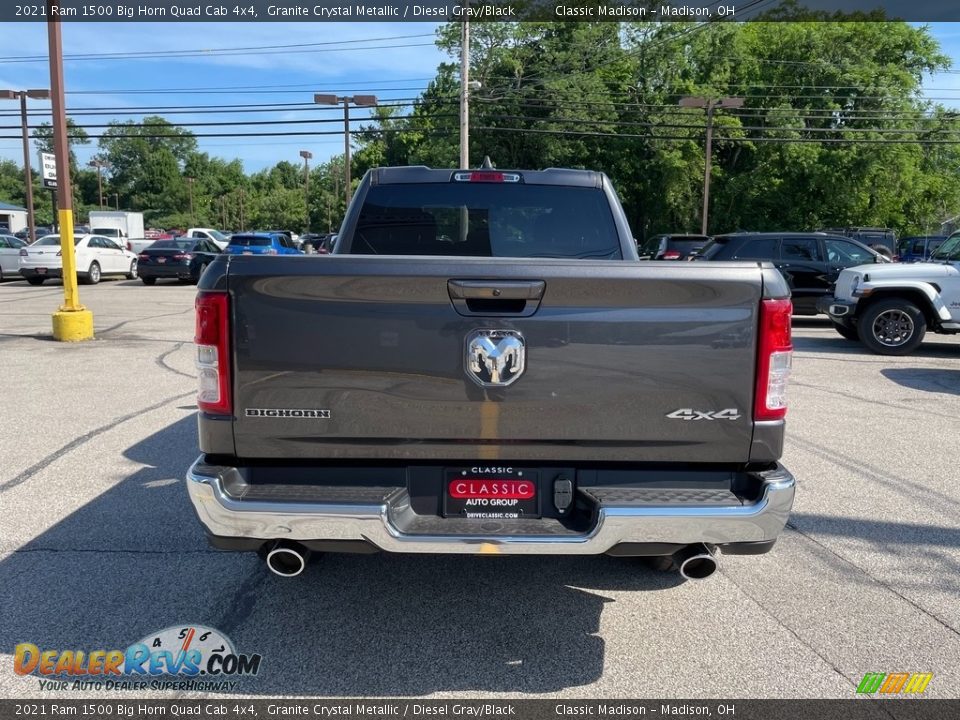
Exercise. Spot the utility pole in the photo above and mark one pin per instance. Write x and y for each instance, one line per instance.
(98, 164)
(466, 85)
(358, 101)
(710, 104)
(116, 199)
(193, 220)
(465, 93)
(72, 322)
(22, 95)
(306, 155)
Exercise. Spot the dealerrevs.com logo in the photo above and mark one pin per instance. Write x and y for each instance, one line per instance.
(186, 657)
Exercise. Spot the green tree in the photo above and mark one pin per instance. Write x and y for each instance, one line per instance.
(147, 161)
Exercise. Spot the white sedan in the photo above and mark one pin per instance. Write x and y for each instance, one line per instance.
(9, 256)
(96, 256)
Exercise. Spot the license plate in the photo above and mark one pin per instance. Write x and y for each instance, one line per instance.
(247, 252)
(505, 494)
(161, 260)
(41, 271)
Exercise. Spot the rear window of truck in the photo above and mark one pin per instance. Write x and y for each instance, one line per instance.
(486, 220)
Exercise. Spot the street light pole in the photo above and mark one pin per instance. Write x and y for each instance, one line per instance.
(710, 104)
(306, 155)
(27, 174)
(358, 101)
(99, 164)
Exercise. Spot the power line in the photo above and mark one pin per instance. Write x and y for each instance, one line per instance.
(223, 51)
(271, 87)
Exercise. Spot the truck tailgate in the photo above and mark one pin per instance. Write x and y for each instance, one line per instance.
(367, 357)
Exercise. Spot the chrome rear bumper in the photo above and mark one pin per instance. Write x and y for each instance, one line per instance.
(225, 514)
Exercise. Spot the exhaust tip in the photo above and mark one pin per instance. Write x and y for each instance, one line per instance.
(696, 562)
(287, 561)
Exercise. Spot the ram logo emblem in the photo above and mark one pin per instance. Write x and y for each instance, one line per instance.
(495, 358)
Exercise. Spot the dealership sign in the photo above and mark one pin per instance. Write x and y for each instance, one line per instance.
(48, 163)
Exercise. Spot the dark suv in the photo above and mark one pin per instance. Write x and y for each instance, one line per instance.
(870, 236)
(919, 248)
(810, 262)
(671, 247)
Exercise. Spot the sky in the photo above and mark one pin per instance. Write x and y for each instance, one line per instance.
(398, 62)
(244, 65)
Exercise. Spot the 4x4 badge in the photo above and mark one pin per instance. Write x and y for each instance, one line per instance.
(689, 414)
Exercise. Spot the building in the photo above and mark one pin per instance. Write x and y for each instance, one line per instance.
(12, 217)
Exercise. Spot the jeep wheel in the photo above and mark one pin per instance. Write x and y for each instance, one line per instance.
(892, 327)
(846, 331)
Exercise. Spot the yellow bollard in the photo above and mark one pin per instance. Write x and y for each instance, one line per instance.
(72, 322)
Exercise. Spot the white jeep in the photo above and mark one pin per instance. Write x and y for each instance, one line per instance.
(889, 308)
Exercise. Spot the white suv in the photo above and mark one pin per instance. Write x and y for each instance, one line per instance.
(889, 308)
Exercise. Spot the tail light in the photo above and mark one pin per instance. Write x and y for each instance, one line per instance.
(671, 255)
(143, 256)
(129, 246)
(213, 352)
(183, 256)
(775, 357)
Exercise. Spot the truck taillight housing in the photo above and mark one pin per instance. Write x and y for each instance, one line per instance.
(774, 360)
(213, 352)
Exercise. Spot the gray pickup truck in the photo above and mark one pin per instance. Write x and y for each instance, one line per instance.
(484, 366)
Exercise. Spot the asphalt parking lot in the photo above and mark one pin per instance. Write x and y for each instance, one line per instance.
(99, 545)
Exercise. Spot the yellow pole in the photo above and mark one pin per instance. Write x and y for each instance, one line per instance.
(73, 322)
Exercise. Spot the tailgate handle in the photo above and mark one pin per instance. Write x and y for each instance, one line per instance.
(519, 298)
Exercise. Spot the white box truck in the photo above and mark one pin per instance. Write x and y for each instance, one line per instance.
(119, 225)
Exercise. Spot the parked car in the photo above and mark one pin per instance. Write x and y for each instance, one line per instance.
(96, 256)
(10, 257)
(138, 245)
(178, 259)
(872, 237)
(671, 247)
(322, 242)
(24, 234)
(261, 244)
(220, 239)
(810, 262)
(889, 309)
(919, 248)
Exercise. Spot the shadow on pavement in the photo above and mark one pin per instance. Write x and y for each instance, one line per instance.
(879, 531)
(925, 379)
(832, 342)
(134, 561)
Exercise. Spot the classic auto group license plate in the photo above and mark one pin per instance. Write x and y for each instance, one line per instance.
(491, 493)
